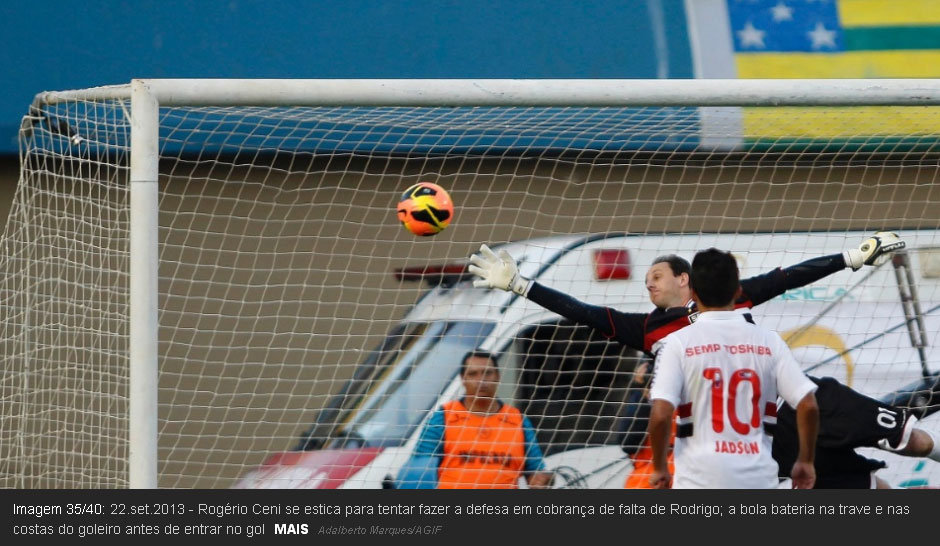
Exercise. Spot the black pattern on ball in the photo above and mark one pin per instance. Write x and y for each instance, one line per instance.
(416, 191)
(431, 215)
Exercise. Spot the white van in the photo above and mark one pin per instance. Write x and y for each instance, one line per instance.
(876, 329)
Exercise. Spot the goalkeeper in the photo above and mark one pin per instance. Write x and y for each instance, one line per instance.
(668, 284)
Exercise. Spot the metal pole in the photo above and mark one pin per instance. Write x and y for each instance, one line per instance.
(142, 457)
(914, 317)
(597, 93)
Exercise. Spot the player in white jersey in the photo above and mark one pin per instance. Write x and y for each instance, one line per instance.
(721, 377)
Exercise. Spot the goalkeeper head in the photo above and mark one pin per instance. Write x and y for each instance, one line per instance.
(668, 281)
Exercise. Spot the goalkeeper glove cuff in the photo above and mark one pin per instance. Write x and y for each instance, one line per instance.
(520, 285)
(853, 258)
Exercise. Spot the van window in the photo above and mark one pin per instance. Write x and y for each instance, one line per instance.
(572, 384)
(396, 387)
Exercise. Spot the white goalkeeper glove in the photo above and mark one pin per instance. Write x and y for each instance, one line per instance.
(875, 250)
(497, 271)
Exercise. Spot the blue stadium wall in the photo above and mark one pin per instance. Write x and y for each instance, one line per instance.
(60, 45)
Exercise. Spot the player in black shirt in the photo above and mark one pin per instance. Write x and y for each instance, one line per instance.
(847, 420)
(668, 284)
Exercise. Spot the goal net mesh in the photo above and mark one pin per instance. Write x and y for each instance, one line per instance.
(281, 333)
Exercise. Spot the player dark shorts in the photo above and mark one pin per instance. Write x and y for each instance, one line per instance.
(847, 420)
(856, 477)
(850, 419)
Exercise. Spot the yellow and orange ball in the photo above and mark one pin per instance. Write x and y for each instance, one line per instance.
(425, 209)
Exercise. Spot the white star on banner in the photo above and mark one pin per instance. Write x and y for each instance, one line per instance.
(782, 12)
(750, 36)
(821, 37)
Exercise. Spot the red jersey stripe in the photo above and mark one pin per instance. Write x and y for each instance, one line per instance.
(653, 336)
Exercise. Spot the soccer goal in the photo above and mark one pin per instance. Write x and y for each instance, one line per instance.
(204, 283)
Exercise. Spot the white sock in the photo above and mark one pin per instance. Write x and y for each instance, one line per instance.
(905, 437)
(935, 452)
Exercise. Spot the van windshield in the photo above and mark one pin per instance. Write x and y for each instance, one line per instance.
(414, 365)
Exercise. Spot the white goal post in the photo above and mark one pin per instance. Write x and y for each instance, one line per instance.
(150, 100)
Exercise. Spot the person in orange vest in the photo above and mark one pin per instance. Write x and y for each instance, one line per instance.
(477, 442)
(635, 442)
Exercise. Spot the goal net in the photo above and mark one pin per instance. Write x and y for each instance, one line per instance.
(305, 338)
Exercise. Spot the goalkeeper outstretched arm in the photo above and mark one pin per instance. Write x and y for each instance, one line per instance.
(500, 271)
(631, 329)
(873, 251)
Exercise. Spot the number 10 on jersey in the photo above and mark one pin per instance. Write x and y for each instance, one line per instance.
(718, 396)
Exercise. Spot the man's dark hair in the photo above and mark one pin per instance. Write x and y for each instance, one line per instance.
(480, 354)
(676, 264)
(715, 277)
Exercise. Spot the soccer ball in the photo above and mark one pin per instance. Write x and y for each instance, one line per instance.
(425, 209)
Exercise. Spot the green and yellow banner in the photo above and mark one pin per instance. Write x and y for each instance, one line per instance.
(835, 39)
